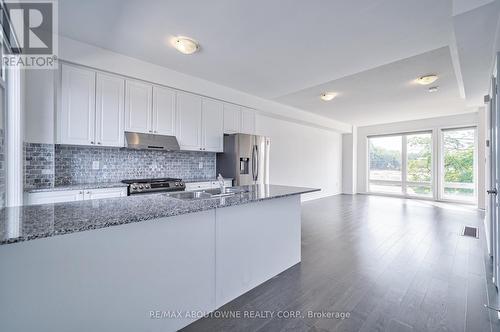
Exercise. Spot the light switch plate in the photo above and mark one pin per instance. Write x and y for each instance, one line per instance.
(95, 164)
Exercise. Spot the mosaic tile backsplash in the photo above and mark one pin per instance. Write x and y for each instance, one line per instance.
(48, 165)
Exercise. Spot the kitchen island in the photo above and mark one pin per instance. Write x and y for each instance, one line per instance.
(165, 262)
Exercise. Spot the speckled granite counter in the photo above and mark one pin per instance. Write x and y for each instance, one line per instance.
(78, 187)
(41, 221)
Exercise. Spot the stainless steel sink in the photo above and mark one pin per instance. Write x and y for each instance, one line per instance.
(207, 193)
(227, 191)
(190, 195)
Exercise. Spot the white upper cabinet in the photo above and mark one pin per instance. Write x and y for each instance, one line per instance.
(247, 121)
(96, 108)
(92, 108)
(76, 124)
(138, 107)
(163, 111)
(212, 128)
(110, 97)
(232, 119)
(189, 121)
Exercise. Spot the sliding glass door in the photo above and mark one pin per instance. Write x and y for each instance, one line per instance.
(401, 164)
(458, 165)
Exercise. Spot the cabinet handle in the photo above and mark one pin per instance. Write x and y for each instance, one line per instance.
(150, 131)
(91, 142)
(99, 143)
(88, 192)
(81, 192)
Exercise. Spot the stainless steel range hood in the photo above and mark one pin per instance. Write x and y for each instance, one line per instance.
(142, 141)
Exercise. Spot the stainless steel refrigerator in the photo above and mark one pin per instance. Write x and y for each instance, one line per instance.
(245, 159)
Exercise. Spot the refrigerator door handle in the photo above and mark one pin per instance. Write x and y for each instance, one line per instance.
(256, 162)
(253, 162)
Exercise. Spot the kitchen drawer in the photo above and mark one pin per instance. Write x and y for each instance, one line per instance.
(105, 193)
(59, 196)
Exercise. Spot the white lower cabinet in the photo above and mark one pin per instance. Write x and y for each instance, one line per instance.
(53, 197)
(104, 193)
(61, 196)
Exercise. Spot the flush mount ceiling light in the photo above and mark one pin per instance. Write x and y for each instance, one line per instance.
(427, 79)
(186, 45)
(433, 88)
(327, 96)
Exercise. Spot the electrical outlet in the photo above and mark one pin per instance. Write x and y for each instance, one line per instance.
(95, 164)
(200, 165)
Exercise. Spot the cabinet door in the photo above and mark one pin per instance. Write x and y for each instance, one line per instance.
(105, 193)
(212, 125)
(77, 114)
(232, 119)
(54, 197)
(189, 121)
(163, 111)
(247, 121)
(110, 95)
(138, 107)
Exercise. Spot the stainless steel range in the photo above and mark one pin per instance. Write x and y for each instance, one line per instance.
(141, 186)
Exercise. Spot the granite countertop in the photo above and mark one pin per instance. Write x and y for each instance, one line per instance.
(78, 187)
(41, 221)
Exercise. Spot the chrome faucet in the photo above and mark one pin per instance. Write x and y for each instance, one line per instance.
(222, 186)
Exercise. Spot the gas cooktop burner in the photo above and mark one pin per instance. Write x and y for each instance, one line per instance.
(139, 186)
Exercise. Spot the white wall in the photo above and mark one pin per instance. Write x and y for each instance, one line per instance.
(39, 106)
(434, 124)
(303, 156)
(349, 162)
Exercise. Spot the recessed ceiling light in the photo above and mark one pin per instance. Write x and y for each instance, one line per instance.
(327, 96)
(433, 88)
(427, 79)
(186, 45)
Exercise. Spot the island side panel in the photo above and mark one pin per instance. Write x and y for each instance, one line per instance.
(255, 242)
(110, 279)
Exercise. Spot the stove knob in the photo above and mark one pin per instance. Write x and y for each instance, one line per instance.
(177, 184)
(147, 186)
(140, 187)
(134, 187)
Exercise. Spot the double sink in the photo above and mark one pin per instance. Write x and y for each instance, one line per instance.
(207, 193)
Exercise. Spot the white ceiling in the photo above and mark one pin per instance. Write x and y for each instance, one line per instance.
(288, 50)
(390, 91)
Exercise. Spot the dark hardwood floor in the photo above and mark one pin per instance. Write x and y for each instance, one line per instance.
(392, 264)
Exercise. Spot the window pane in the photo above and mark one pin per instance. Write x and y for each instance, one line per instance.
(458, 164)
(385, 164)
(419, 164)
